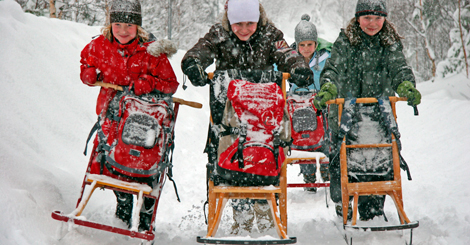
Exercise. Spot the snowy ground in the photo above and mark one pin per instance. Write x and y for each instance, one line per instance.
(47, 113)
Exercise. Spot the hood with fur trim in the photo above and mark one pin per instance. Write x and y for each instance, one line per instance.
(162, 46)
(388, 35)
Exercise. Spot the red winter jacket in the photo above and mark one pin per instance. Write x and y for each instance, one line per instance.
(145, 65)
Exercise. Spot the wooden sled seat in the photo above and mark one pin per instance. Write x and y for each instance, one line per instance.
(219, 195)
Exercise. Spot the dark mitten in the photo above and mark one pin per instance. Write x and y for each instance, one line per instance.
(302, 76)
(195, 72)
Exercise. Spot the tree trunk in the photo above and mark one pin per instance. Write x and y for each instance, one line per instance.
(106, 2)
(52, 9)
(426, 42)
(463, 41)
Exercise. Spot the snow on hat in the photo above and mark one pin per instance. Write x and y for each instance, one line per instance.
(126, 11)
(371, 7)
(242, 11)
(305, 30)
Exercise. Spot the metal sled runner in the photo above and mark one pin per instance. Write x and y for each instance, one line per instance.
(94, 181)
(392, 188)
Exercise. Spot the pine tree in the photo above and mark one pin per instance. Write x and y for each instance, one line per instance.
(458, 55)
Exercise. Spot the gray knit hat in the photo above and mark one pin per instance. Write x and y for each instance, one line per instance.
(371, 7)
(126, 11)
(305, 30)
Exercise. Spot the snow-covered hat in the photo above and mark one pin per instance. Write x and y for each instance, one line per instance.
(371, 7)
(242, 11)
(305, 30)
(126, 11)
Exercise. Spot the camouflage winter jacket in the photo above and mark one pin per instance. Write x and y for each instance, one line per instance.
(264, 48)
(366, 66)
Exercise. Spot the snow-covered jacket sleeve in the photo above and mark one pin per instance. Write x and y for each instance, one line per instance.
(398, 68)
(336, 65)
(204, 49)
(88, 73)
(285, 57)
(161, 76)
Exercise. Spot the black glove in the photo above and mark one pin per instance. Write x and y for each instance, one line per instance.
(195, 72)
(302, 76)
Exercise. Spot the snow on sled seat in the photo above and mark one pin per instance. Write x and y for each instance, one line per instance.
(306, 157)
(253, 154)
(128, 185)
(392, 187)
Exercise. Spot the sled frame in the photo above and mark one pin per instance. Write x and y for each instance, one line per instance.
(308, 160)
(219, 195)
(392, 188)
(140, 190)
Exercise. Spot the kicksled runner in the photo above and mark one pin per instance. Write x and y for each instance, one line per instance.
(135, 162)
(389, 183)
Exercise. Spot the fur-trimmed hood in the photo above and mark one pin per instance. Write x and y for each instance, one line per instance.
(262, 16)
(162, 46)
(387, 36)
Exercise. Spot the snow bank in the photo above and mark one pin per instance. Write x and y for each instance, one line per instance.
(47, 114)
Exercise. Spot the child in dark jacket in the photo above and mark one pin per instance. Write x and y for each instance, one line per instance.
(245, 40)
(367, 60)
(123, 56)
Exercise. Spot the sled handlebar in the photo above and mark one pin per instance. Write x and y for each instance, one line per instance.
(109, 85)
(175, 100)
(188, 103)
(365, 100)
(373, 100)
(285, 75)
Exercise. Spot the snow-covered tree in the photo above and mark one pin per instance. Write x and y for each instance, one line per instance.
(458, 55)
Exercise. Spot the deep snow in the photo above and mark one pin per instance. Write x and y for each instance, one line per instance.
(47, 113)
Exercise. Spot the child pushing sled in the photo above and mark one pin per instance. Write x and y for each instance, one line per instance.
(244, 41)
(367, 61)
(136, 116)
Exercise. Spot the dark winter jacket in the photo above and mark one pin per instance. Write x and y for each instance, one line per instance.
(143, 63)
(264, 48)
(261, 51)
(366, 66)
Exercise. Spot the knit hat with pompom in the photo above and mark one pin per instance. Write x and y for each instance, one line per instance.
(305, 30)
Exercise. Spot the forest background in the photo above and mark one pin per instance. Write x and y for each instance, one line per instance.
(437, 39)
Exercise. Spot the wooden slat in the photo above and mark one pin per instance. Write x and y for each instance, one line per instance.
(364, 188)
(369, 146)
(251, 189)
(120, 185)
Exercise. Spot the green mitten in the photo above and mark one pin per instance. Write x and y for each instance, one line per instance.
(408, 90)
(327, 92)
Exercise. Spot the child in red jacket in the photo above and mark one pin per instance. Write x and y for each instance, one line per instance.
(124, 56)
